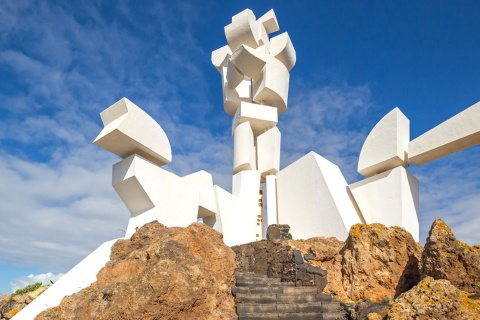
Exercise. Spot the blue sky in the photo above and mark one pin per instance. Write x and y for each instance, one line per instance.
(63, 62)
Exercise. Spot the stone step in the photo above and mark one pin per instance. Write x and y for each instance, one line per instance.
(335, 315)
(256, 308)
(264, 284)
(301, 316)
(325, 307)
(256, 298)
(289, 316)
(258, 316)
(299, 290)
(303, 297)
(254, 290)
(250, 279)
(248, 274)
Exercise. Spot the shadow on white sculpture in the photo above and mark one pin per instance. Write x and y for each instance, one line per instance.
(311, 194)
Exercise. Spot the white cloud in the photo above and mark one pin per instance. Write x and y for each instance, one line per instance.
(44, 278)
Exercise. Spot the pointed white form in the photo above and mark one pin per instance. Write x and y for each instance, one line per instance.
(268, 152)
(313, 199)
(281, 47)
(234, 77)
(233, 97)
(271, 184)
(78, 278)
(386, 146)
(243, 148)
(271, 87)
(390, 198)
(460, 132)
(261, 117)
(249, 61)
(269, 22)
(242, 30)
(220, 57)
(128, 130)
(239, 208)
(152, 193)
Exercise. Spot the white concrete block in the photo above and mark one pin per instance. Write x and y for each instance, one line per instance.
(128, 130)
(281, 47)
(244, 91)
(242, 31)
(152, 193)
(263, 39)
(261, 117)
(269, 22)
(233, 97)
(313, 199)
(268, 152)
(243, 148)
(220, 57)
(246, 187)
(271, 87)
(386, 146)
(271, 199)
(390, 198)
(78, 278)
(202, 184)
(234, 77)
(249, 61)
(457, 133)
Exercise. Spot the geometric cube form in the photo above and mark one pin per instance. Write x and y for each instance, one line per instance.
(261, 117)
(313, 199)
(220, 57)
(390, 198)
(130, 130)
(202, 184)
(268, 152)
(246, 187)
(457, 133)
(242, 30)
(271, 87)
(233, 97)
(386, 146)
(282, 49)
(269, 22)
(271, 184)
(152, 193)
(249, 61)
(243, 148)
(234, 77)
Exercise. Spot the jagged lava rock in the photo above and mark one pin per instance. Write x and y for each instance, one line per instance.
(445, 257)
(434, 299)
(375, 262)
(160, 273)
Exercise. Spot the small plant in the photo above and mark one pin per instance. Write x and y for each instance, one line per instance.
(29, 288)
(386, 299)
(186, 266)
(478, 286)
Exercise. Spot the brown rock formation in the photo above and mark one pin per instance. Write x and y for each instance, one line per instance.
(375, 263)
(11, 305)
(160, 273)
(445, 257)
(434, 299)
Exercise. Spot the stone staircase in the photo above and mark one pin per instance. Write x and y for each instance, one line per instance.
(259, 297)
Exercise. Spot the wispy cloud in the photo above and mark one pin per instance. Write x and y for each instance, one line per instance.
(44, 278)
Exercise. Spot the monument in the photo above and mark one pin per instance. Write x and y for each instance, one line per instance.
(311, 195)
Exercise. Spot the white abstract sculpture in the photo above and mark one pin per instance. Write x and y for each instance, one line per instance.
(311, 194)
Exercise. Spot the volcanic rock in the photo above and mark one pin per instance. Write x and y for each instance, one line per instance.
(434, 299)
(160, 273)
(445, 257)
(376, 263)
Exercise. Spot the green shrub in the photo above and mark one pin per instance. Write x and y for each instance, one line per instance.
(29, 288)
(386, 299)
(478, 285)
